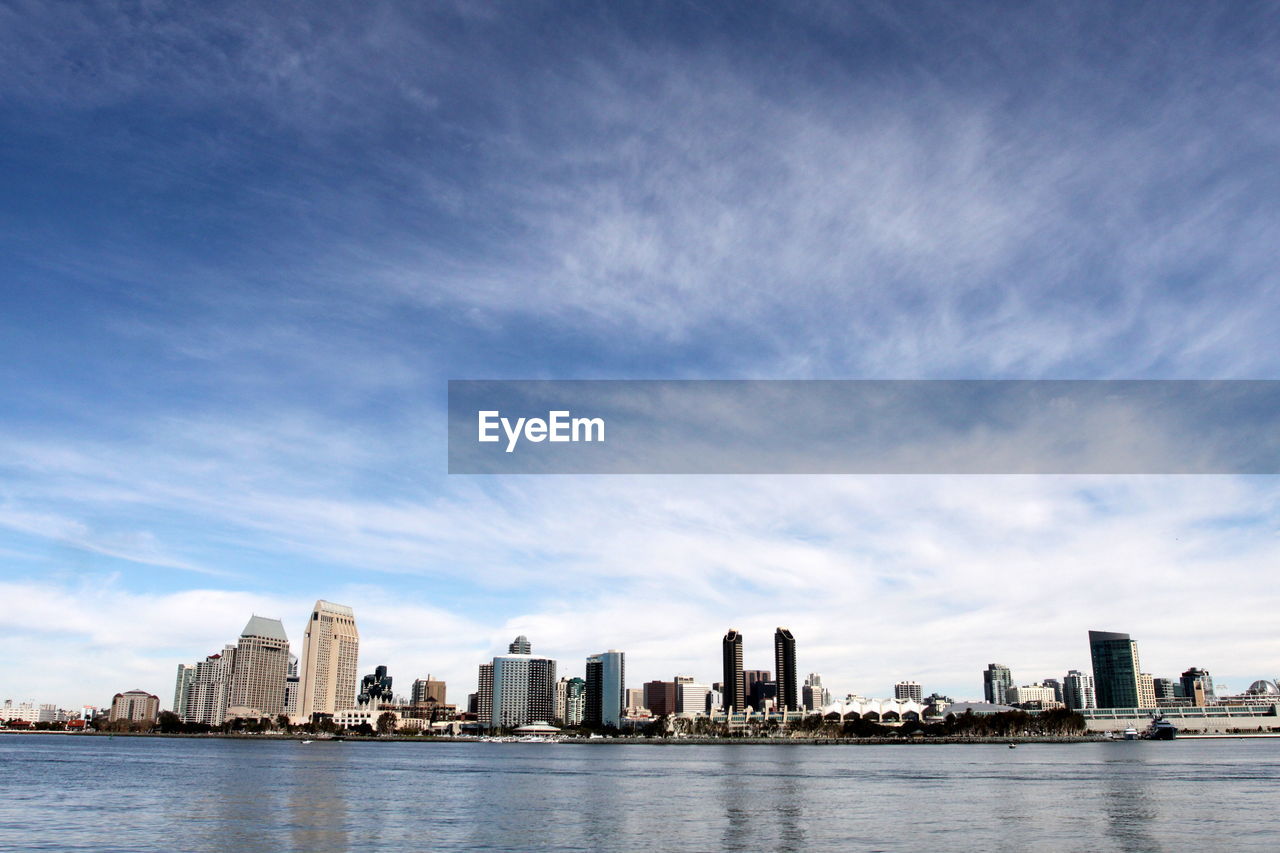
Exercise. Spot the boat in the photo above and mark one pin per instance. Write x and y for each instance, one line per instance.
(1161, 729)
(1013, 746)
(1131, 733)
(306, 741)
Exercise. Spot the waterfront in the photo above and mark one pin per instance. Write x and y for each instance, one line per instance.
(154, 794)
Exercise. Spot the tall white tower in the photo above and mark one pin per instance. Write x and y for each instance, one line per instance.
(330, 660)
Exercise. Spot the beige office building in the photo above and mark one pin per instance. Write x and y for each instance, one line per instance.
(137, 706)
(261, 667)
(1146, 690)
(330, 652)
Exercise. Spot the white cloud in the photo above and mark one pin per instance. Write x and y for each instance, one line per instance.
(879, 578)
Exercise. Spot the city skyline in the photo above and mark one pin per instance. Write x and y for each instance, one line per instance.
(212, 686)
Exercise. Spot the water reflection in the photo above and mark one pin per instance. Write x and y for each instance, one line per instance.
(761, 797)
(317, 792)
(1129, 800)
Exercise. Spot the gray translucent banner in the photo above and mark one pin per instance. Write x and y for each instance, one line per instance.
(864, 427)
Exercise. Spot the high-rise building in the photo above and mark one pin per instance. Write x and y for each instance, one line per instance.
(1197, 686)
(524, 690)
(292, 686)
(484, 695)
(996, 681)
(691, 697)
(210, 691)
(137, 706)
(660, 697)
(428, 690)
(575, 701)
(784, 661)
(562, 701)
(760, 685)
(330, 657)
(1077, 691)
(908, 690)
(517, 688)
(1115, 669)
(606, 689)
(1146, 690)
(815, 696)
(1167, 690)
(635, 699)
(261, 667)
(763, 695)
(182, 688)
(735, 686)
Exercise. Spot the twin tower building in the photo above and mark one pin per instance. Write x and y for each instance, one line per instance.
(259, 677)
(735, 693)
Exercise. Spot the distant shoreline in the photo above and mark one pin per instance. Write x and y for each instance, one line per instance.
(640, 741)
(656, 741)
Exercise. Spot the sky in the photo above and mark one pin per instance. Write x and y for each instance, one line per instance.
(244, 247)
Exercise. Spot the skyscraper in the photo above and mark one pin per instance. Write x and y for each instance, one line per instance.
(575, 701)
(330, 653)
(210, 690)
(784, 661)
(1146, 690)
(760, 685)
(520, 646)
(182, 688)
(517, 688)
(814, 694)
(1197, 687)
(524, 690)
(484, 695)
(908, 690)
(261, 667)
(606, 689)
(996, 681)
(735, 686)
(428, 690)
(1077, 691)
(292, 683)
(1115, 669)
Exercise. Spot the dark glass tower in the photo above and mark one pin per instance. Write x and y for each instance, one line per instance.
(606, 690)
(1115, 669)
(784, 660)
(735, 687)
(996, 681)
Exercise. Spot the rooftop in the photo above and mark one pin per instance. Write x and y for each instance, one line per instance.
(260, 626)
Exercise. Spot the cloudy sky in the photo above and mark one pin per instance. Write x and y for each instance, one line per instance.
(243, 248)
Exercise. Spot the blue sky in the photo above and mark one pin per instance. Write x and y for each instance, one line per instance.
(244, 246)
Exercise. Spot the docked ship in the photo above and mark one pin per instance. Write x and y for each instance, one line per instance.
(1161, 729)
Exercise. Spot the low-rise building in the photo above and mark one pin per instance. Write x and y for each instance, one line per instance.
(137, 706)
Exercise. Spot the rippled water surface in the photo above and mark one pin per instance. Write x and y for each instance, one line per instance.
(152, 794)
